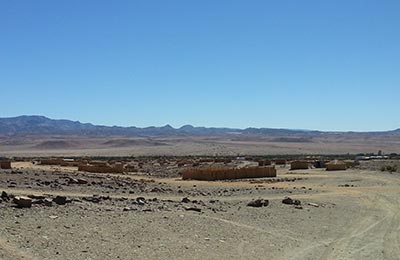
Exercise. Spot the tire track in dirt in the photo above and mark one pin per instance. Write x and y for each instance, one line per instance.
(391, 242)
(373, 235)
(370, 236)
(273, 233)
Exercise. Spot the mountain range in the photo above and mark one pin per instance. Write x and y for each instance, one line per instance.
(41, 125)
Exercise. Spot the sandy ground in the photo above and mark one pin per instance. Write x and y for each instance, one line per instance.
(353, 214)
(220, 145)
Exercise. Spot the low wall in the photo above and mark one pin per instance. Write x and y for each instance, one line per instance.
(280, 161)
(224, 173)
(336, 166)
(5, 164)
(51, 161)
(299, 165)
(99, 163)
(264, 162)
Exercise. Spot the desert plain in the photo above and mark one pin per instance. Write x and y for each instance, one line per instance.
(153, 214)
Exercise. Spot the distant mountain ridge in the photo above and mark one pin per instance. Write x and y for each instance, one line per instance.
(41, 125)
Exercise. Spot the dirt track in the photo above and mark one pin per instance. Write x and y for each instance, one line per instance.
(359, 222)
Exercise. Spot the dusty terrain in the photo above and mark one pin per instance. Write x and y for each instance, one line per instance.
(352, 214)
(229, 145)
(39, 135)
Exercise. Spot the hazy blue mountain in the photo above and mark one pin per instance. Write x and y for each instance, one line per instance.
(40, 125)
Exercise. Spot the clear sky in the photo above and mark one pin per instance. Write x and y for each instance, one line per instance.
(326, 65)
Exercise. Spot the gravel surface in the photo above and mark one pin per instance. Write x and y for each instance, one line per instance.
(353, 214)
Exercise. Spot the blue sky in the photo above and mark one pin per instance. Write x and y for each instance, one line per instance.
(326, 65)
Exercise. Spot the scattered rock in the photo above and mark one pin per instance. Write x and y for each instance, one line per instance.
(60, 200)
(37, 197)
(141, 201)
(82, 181)
(77, 181)
(156, 189)
(23, 202)
(48, 202)
(93, 199)
(290, 201)
(192, 209)
(258, 203)
(5, 196)
(346, 185)
(45, 201)
(185, 200)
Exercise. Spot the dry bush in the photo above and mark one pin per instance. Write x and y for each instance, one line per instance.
(389, 168)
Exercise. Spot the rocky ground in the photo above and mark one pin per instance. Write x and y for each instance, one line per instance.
(57, 213)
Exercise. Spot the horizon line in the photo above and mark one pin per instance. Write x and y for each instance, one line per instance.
(196, 126)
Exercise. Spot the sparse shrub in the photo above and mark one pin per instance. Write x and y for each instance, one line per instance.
(389, 168)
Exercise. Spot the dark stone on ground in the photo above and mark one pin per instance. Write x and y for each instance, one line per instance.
(290, 201)
(23, 202)
(192, 209)
(60, 200)
(258, 203)
(141, 201)
(93, 199)
(5, 196)
(185, 200)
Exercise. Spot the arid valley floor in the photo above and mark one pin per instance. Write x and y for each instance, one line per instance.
(229, 145)
(352, 214)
